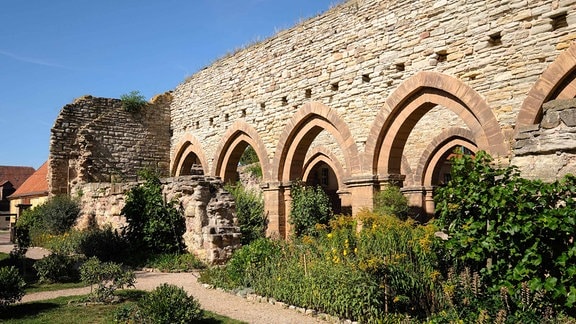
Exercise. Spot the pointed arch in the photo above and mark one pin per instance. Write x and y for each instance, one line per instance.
(439, 146)
(187, 152)
(414, 98)
(300, 132)
(558, 81)
(233, 144)
(321, 154)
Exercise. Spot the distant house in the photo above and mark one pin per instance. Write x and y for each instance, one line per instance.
(33, 192)
(11, 178)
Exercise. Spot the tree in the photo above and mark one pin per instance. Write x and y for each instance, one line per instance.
(511, 229)
(152, 223)
(310, 206)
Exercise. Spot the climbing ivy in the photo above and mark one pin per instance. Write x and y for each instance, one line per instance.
(511, 229)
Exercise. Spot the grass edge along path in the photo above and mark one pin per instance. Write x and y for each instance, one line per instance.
(70, 309)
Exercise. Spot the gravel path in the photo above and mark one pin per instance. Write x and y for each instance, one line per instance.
(210, 299)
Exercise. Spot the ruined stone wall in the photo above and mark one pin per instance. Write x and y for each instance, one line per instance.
(547, 151)
(209, 212)
(96, 140)
(355, 55)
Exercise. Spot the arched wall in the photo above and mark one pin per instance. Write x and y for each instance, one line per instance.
(187, 145)
(299, 133)
(231, 149)
(411, 101)
(558, 81)
(429, 157)
(320, 154)
(379, 74)
(440, 152)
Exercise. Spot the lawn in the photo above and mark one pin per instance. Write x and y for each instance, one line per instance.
(72, 310)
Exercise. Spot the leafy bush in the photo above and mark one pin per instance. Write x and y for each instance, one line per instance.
(184, 262)
(56, 268)
(250, 213)
(389, 266)
(107, 276)
(169, 304)
(128, 313)
(65, 244)
(310, 206)
(153, 224)
(105, 243)
(512, 230)
(11, 286)
(236, 274)
(133, 101)
(391, 201)
(54, 217)
(249, 156)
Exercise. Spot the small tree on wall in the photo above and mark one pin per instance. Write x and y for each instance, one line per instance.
(310, 206)
(133, 102)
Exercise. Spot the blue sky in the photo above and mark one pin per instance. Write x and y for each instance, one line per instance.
(54, 51)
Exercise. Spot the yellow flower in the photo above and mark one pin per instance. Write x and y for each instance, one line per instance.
(329, 235)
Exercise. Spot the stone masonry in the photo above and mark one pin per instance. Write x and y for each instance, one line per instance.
(96, 140)
(401, 83)
(548, 150)
(377, 91)
(207, 207)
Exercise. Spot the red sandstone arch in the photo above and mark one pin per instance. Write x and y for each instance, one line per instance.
(414, 98)
(440, 145)
(558, 81)
(187, 147)
(321, 154)
(300, 132)
(233, 144)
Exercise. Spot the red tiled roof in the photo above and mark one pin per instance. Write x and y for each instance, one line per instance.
(35, 185)
(15, 174)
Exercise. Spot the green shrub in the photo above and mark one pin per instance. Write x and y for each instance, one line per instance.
(107, 276)
(67, 243)
(249, 212)
(133, 101)
(54, 217)
(104, 243)
(128, 313)
(11, 286)
(169, 304)
(153, 225)
(388, 266)
(512, 230)
(391, 201)
(57, 268)
(247, 258)
(249, 156)
(184, 262)
(310, 206)
(236, 274)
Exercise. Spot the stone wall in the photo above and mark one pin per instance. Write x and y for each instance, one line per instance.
(380, 90)
(209, 211)
(353, 57)
(547, 151)
(96, 140)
